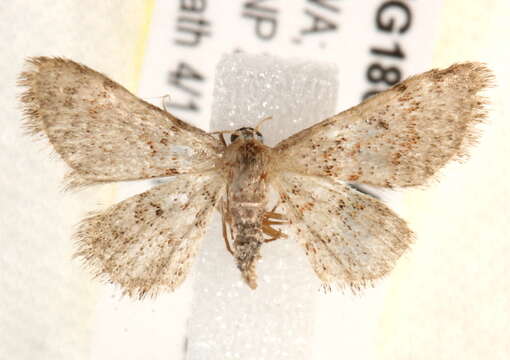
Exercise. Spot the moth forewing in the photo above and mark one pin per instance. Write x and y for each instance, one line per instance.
(103, 132)
(399, 137)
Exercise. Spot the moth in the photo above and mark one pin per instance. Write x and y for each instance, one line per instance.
(398, 138)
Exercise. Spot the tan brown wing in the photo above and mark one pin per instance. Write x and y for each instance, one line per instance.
(147, 243)
(399, 137)
(103, 132)
(350, 238)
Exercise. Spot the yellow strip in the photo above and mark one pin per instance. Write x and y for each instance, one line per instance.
(109, 194)
(141, 41)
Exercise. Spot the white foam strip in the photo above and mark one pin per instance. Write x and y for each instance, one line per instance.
(275, 321)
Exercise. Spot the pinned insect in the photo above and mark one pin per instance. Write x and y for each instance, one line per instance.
(397, 138)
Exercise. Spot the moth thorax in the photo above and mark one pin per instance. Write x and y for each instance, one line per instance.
(246, 133)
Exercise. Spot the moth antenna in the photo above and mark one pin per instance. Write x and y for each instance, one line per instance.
(259, 125)
(166, 99)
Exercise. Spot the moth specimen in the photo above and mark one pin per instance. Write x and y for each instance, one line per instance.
(397, 138)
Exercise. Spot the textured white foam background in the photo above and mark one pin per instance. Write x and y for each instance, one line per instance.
(229, 320)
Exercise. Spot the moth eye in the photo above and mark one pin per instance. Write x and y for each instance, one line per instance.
(233, 137)
(259, 136)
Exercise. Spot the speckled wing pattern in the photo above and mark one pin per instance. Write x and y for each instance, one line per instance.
(350, 238)
(400, 137)
(105, 133)
(397, 138)
(147, 242)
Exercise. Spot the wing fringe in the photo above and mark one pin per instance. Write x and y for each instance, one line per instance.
(87, 254)
(33, 124)
(478, 77)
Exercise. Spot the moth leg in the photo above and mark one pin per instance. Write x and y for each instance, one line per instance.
(272, 232)
(277, 217)
(228, 215)
(224, 221)
(272, 214)
(225, 236)
(166, 98)
(272, 218)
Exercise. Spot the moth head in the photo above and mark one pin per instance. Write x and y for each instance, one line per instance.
(246, 133)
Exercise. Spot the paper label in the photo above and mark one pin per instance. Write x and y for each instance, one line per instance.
(374, 43)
